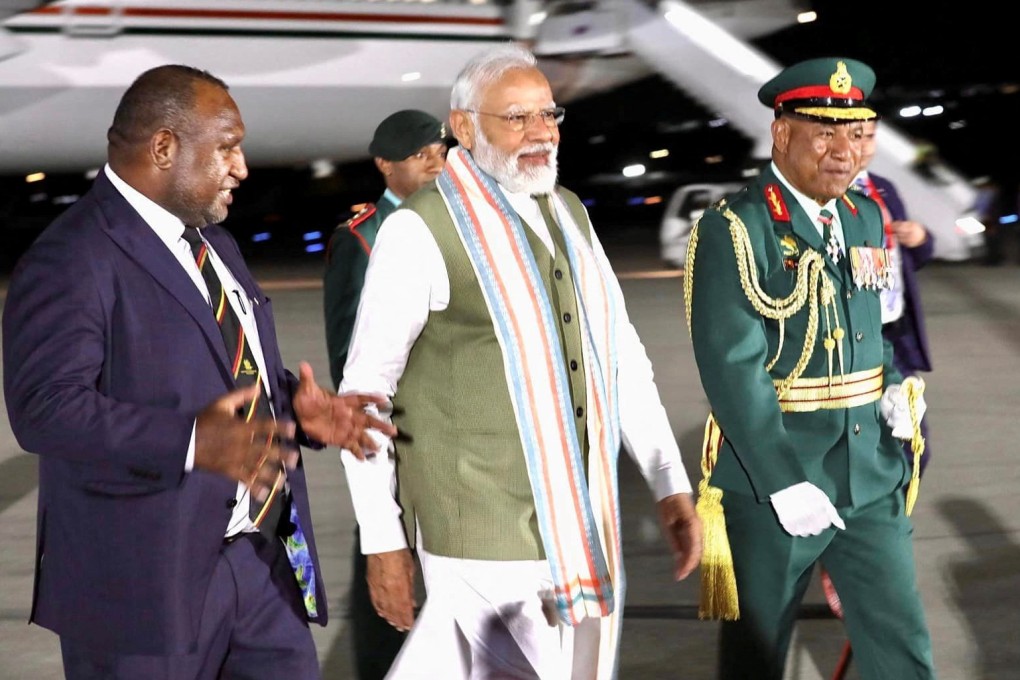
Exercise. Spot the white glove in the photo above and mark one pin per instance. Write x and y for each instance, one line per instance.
(896, 411)
(804, 510)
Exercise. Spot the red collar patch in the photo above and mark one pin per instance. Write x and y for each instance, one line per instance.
(777, 206)
(362, 215)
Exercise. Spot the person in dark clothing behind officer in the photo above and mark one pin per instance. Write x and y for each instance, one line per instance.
(409, 148)
(910, 246)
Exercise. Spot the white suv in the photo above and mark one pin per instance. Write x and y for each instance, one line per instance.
(682, 211)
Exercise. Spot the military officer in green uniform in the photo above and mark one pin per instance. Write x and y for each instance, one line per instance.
(409, 148)
(801, 463)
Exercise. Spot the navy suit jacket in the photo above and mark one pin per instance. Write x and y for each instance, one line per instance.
(110, 352)
(909, 338)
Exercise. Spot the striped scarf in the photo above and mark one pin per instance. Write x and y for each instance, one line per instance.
(578, 519)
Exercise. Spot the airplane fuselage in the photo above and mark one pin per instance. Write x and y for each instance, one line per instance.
(312, 77)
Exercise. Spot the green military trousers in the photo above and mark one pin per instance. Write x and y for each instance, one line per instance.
(871, 564)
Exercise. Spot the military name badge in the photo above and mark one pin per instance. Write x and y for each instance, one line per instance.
(871, 268)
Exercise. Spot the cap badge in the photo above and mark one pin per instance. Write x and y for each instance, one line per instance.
(840, 82)
(442, 130)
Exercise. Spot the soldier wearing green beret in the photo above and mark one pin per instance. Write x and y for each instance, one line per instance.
(801, 462)
(409, 148)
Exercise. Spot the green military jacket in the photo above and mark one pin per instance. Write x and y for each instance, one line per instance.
(346, 263)
(849, 453)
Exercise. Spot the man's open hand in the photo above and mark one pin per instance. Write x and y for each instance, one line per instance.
(682, 528)
(338, 419)
(253, 452)
(390, 578)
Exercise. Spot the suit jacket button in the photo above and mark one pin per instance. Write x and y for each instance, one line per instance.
(231, 502)
(857, 428)
(859, 336)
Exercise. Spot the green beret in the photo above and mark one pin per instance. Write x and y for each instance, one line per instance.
(830, 89)
(403, 133)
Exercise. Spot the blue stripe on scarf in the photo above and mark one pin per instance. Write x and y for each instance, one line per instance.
(463, 222)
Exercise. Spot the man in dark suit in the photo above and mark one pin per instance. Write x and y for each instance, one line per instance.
(174, 528)
(409, 149)
(911, 246)
(783, 300)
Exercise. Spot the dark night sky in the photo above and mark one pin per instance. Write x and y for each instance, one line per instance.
(965, 51)
(940, 53)
(938, 43)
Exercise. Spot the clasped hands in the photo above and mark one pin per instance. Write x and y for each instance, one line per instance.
(254, 452)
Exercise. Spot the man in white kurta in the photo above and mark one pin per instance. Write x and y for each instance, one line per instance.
(491, 316)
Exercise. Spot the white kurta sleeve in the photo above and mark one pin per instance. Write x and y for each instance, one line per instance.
(406, 278)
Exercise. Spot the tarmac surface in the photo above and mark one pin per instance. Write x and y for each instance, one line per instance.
(966, 522)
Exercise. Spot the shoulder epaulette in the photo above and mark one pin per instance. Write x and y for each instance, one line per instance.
(352, 225)
(850, 205)
(360, 217)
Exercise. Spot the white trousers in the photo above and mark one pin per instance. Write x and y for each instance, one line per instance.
(485, 620)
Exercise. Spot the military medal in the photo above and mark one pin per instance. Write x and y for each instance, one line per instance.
(832, 248)
(871, 268)
(791, 252)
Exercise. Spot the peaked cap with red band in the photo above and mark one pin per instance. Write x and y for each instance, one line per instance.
(830, 89)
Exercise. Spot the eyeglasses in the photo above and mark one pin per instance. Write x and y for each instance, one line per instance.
(519, 122)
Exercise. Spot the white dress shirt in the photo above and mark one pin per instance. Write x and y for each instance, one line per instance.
(170, 230)
(405, 281)
(813, 210)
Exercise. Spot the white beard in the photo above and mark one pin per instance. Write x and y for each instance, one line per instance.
(505, 169)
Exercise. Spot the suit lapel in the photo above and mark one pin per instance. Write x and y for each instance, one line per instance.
(138, 241)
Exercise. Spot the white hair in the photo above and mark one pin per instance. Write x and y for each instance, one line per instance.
(486, 68)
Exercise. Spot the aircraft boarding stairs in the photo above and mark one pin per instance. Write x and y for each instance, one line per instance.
(724, 74)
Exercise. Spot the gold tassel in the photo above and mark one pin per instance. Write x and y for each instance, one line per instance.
(829, 342)
(829, 345)
(915, 388)
(718, 581)
(838, 337)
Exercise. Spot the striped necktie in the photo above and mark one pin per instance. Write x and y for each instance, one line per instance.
(832, 246)
(267, 514)
(245, 370)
